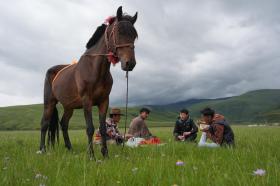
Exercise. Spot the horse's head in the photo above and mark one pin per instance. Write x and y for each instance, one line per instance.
(122, 38)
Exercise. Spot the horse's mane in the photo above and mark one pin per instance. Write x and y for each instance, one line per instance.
(96, 36)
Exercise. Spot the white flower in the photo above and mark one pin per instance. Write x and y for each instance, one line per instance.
(38, 175)
(99, 161)
(259, 172)
(134, 169)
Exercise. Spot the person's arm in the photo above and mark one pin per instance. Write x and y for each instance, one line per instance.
(144, 131)
(217, 134)
(194, 127)
(176, 130)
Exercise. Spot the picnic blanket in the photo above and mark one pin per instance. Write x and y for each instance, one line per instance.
(135, 142)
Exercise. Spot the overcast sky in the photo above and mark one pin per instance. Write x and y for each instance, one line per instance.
(186, 49)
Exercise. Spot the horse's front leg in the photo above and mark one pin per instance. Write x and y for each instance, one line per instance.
(103, 107)
(87, 105)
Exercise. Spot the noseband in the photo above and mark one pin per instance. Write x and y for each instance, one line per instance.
(112, 50)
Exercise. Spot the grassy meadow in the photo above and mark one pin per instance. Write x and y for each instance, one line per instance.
(256, 147)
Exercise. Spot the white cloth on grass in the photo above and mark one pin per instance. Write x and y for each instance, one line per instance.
(134, 142)
(203, 143)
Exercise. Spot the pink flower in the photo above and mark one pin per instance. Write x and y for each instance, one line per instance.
(179, 163)
(259, 172)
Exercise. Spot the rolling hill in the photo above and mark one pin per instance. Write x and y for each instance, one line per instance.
(258, 106)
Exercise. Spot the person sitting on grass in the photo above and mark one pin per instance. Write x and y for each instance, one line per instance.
(185, 128)
(216, 129)
(112, 131)
(138, 127)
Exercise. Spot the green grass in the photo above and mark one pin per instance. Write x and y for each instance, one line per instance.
(256, 148)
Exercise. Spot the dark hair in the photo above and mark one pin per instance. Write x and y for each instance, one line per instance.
(145, 110)
(207, 112)
(184, 111)
(96, 36)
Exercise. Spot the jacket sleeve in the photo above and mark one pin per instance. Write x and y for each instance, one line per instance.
(217, 134)
(194, 127)
(176, 132)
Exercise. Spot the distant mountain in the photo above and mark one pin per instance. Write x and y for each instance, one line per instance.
(254, 106)
(258, 106)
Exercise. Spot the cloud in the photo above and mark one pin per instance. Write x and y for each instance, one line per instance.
(186, 49)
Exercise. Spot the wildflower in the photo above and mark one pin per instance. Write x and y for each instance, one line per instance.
(134, 169)
(180, 163)
(259, 172)
(98, 161)
(38, 175)
(116, 156)
(195, 168)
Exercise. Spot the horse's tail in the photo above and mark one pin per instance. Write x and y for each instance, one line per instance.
(50, 100)
(53, 129)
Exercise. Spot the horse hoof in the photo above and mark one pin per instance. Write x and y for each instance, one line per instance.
(69, 148)
(104, 152)
(41, 151)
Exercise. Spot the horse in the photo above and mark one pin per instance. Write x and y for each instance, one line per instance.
(88, 82)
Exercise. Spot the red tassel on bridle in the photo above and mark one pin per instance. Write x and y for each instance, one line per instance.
(112, 58)
(110, 20)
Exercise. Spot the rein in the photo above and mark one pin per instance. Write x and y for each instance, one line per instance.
(126, 106)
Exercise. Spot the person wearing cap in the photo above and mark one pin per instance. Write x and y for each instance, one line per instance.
(138, 127)
(112, 132)
(217, 130)
(185, 128)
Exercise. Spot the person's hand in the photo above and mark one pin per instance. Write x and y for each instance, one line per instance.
(181, 137)
(186, 133)
(205, 129)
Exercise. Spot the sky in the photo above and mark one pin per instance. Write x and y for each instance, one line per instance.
(185, 49)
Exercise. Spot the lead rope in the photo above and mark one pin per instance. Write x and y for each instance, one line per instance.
(126, 105)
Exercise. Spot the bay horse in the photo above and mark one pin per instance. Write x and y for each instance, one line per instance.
(88, 83)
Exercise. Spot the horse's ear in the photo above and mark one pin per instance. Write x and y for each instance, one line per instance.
(119, 13)
(134, 18)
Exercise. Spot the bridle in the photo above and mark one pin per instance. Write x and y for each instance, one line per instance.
(112, 49)
(113, 36)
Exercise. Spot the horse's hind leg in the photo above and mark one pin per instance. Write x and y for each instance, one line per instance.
(45, 122)
(64, 126)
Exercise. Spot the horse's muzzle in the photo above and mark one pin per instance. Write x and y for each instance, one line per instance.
(129, 65)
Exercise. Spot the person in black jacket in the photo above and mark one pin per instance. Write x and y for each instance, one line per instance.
(185, 129)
